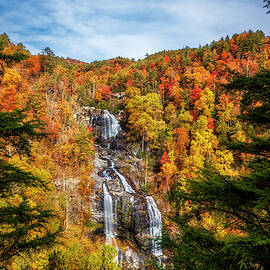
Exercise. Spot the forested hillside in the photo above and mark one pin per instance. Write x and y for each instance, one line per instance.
(180, 111)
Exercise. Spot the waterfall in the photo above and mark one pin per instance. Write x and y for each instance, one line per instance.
(155, 226)
(124, 182)
(115, 213)
(108, 125)
(106, 175)
(110, 231)
(111, 222)
(126, 185)
(112, 124)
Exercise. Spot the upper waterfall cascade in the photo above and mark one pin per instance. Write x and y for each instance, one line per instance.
(109, 125)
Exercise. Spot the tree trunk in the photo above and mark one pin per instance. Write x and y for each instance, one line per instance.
(146, 167)
(67, 209)
(143, 143)
(67, 206)
(94, 90)
(82, 218)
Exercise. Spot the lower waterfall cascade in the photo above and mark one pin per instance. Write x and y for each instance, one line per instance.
(110, 222)
(155, 226)
(110, 231)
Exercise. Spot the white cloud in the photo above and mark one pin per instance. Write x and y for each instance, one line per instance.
(100, 29)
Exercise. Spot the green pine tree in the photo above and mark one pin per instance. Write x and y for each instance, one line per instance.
(4, 41)
(23, 227)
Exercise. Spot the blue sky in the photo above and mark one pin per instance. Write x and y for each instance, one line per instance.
(100, 29)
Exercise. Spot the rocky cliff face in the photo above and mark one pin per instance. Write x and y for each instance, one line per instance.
(121, 172)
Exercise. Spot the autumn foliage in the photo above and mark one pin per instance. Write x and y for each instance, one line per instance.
(172, 103)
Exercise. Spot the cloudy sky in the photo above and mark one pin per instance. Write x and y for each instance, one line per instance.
(100, 29)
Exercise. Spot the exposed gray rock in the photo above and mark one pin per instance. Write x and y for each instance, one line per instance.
(133, 258)
(96, 198)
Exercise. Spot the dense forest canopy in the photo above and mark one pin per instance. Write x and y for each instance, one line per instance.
(185, 110)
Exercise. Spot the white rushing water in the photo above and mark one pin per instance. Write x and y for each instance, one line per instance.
(106, 175)
(115, 213)
(110, 125)
(155, 226)
(110, 231)
(126, 185)
(111, 222)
